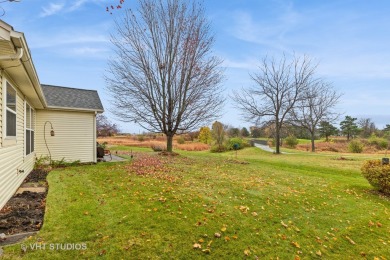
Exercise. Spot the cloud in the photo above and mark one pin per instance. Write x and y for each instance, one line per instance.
(270, 31)
(77, 4)
(90, 51)
(54, 8)
(62, 38)
(242, 64)
(51, 9)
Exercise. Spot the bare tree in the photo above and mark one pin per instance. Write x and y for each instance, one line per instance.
(367, 127)
(164, 76)
(105, 127)
(316, 105)
(218, 134)
(279, 85)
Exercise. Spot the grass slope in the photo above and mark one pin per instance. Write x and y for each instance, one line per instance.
(288, 206)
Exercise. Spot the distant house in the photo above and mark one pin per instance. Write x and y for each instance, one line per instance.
(38, 120)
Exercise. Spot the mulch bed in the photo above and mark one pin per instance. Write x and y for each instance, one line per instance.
(37, 175)
(24, 212)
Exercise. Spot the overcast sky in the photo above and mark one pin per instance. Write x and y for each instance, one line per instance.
(350, 39)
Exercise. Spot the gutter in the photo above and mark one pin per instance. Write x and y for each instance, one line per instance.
(17, 56)
(18, 40)
(94, 110)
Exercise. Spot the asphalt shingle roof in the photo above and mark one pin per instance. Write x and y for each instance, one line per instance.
(74, 98)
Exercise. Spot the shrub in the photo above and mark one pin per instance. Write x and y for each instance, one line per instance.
(181, 140)
(62, 163)
(380, 143)
(218, 148)
(157, 148)
(241, 143)
(102, 145)
(141, 138)
(378, 175)
(42, 162)
(291, 141)
(355, 146)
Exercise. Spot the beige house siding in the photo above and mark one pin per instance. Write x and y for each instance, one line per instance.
(74, 135)
(1, 110)
(14, 165)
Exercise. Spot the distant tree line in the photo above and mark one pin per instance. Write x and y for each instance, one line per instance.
(350, 127)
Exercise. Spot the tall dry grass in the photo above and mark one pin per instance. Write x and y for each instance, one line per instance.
(340, 146)
(152, 142)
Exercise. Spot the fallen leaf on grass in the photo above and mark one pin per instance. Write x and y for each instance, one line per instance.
(284, 224)
(296, 244)
(350, 240)
(217, 235)
(254, 214)
(244, 209)
(247, 252)
(227, 238)
(223, 229)
(319, 253)
(197, 246)
(207, 251)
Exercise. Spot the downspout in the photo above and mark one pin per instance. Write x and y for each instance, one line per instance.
(17, 56)
(94, 139)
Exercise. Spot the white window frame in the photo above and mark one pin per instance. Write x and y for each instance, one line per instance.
(31, 129)
(9, 140)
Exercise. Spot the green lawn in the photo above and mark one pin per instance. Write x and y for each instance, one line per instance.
(293, 206)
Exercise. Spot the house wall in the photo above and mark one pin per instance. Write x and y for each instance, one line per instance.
(14, 165)
(1, 110)
(74, 135)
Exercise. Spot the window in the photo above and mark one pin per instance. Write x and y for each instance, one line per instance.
(30, 126)
(10, 104)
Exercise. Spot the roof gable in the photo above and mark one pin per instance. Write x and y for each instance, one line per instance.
(72, 98)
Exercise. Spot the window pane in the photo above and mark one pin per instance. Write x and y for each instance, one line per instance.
(11, 124)
(28, 116)
(32, 142)
(32, 119)
(28, 142)
(11, 98)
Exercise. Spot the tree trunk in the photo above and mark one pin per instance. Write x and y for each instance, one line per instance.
(277, 140)
(169, 143)
(313, 147)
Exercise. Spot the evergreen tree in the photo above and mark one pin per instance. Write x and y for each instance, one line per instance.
(326, 129)
(244, 132)
(349, 127)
